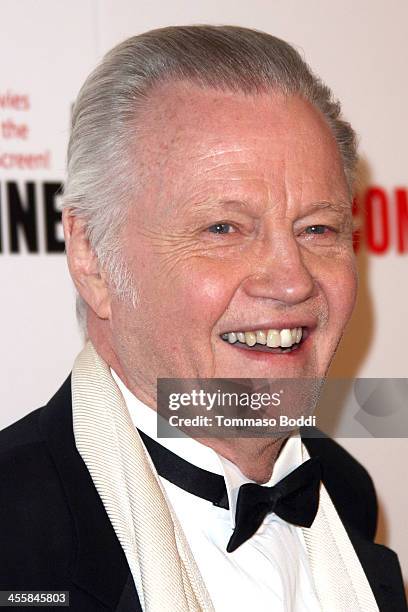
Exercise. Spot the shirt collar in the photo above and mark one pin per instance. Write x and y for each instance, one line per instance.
(193, 451)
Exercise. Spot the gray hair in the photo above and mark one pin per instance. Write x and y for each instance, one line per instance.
(100, 177)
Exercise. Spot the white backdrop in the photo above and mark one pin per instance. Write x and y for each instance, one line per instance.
(47, 47)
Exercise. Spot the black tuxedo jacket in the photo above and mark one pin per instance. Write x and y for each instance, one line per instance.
(55, 533)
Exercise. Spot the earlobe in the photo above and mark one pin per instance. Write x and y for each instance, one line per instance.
(83, 264)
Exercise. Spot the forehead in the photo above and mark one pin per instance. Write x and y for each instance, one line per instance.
(198, 140)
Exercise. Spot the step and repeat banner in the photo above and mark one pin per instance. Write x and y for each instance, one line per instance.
(47, 47)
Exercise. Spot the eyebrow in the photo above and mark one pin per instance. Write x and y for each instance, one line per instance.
(199, 207)
(214, 202)
(338, 205)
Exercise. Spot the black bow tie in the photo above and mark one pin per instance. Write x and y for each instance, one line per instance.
(295, 498)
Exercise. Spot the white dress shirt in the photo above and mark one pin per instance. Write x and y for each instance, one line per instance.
(270, 571)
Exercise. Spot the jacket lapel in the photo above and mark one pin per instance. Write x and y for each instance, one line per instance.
(380, 564)
(100, 567)
(129, 601)
(383, 572)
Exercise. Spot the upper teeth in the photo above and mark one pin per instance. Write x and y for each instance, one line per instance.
(273, 338)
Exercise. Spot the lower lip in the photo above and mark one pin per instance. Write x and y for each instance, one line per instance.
(263, 356)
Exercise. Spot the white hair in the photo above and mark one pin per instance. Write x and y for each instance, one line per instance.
(101, 176)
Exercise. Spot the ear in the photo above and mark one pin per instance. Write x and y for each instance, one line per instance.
(84, 268)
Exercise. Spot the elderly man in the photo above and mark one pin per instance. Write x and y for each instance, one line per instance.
(209, 234)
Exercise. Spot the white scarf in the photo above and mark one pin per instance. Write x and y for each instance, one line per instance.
(165, 573)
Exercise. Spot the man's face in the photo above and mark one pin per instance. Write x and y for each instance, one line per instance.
(242, 223)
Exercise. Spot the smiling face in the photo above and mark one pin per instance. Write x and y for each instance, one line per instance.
(242, 224)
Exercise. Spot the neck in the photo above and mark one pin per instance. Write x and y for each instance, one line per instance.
(255, 457)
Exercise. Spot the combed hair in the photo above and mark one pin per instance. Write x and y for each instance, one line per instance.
(101, 176)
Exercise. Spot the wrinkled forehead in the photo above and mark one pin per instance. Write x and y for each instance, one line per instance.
(192, 139)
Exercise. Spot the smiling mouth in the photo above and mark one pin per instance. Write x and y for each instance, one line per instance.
(268, 340)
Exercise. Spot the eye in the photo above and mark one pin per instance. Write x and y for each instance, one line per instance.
(318, 229)
(221, 228)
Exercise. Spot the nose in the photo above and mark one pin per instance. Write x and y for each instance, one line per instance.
(282, 276)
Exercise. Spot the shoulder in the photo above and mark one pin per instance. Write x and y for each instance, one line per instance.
(22, 449)
(347, 482)
(22, 452)
(23, 431)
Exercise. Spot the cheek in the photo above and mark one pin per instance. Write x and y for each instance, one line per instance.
(341, 291)
(205, 295)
